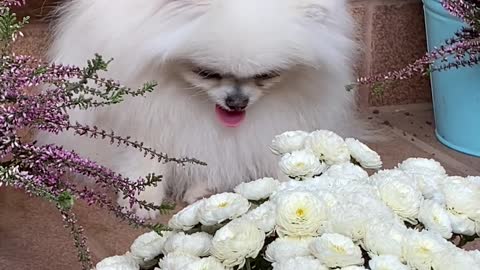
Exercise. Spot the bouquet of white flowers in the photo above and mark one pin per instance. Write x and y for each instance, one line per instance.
(330, 215)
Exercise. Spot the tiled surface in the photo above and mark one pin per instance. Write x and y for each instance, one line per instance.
(31, 230)
(32, 234)
(398, 38)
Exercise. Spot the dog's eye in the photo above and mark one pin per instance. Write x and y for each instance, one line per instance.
(208, 75)
(266, 76)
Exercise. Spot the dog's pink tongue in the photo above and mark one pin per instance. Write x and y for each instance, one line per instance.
(229, 119)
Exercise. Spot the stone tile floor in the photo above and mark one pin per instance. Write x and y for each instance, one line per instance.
(32, 236)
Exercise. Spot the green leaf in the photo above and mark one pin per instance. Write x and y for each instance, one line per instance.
(65, 200)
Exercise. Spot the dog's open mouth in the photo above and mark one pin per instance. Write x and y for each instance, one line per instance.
(229, 118)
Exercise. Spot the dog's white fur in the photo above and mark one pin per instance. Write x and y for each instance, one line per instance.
(307, 41)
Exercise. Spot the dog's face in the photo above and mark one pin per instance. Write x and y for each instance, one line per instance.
(236, 52)
(231, 91)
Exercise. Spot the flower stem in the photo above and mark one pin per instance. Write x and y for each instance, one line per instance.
(247, 265)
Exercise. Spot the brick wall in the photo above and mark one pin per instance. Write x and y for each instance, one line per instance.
(390, 33)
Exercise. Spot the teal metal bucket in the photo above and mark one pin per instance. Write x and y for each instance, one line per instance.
(456, 93)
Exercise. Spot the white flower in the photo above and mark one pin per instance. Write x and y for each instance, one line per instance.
(176, 261)
(363, 154)
(477, 228)
(353, 267)
(288, 142)
(461, 224)
(328, 147)
(422, 165)
(336, 250)
(402, 197)
(462, 196)
(455, 259)
(186, 218)
(301, 164)
(429, 175)
(347, 171)
(387, 262)
(300, 214)
(349, 219)
(236, 241)
(221, 207)
(118, 263)
(209, 263)
(263, 216)
(197, 244)
(289, 247)
(148, 246)
(435, 218)
(475, 255)
(259, 189)
(383, 237)
(297, 263)
(420, 248)
(391, 174)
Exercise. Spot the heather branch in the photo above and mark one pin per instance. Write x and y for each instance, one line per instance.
(95, 132)
(70, 221)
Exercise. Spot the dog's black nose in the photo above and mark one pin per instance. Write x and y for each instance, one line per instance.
(237, 102)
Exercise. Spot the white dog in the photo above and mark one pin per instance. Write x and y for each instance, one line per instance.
(232, 74)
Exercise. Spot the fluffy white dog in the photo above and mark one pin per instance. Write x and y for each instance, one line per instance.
(232, 74)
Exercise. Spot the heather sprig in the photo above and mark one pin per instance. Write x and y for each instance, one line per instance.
(9, 25)
(461, 50)
(43, 171)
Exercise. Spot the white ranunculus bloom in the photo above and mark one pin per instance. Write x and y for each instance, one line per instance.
(196, 244)
(396, 174)
(259, 189)
(475, 255)
(348, 219)
(419, 248)
(455, 259)
(347, 171)
(209, 263)
(403, 197)
(336, 250)
(363, 154)
(124, 262)
(328, 147)
(435, 218)
(296, 263)
(477, 228)
(263, 216)
(429, 174)
(288, 142)
(148, 246)
(186, 218)
(176, 261)
(237, 241)
(462, 196)
(301, 164)
(419, 165)
(383, 237)
(300, 214)
(353, 267)
(387, 262)
(289, 247)
(461, 224)
(221, 207)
